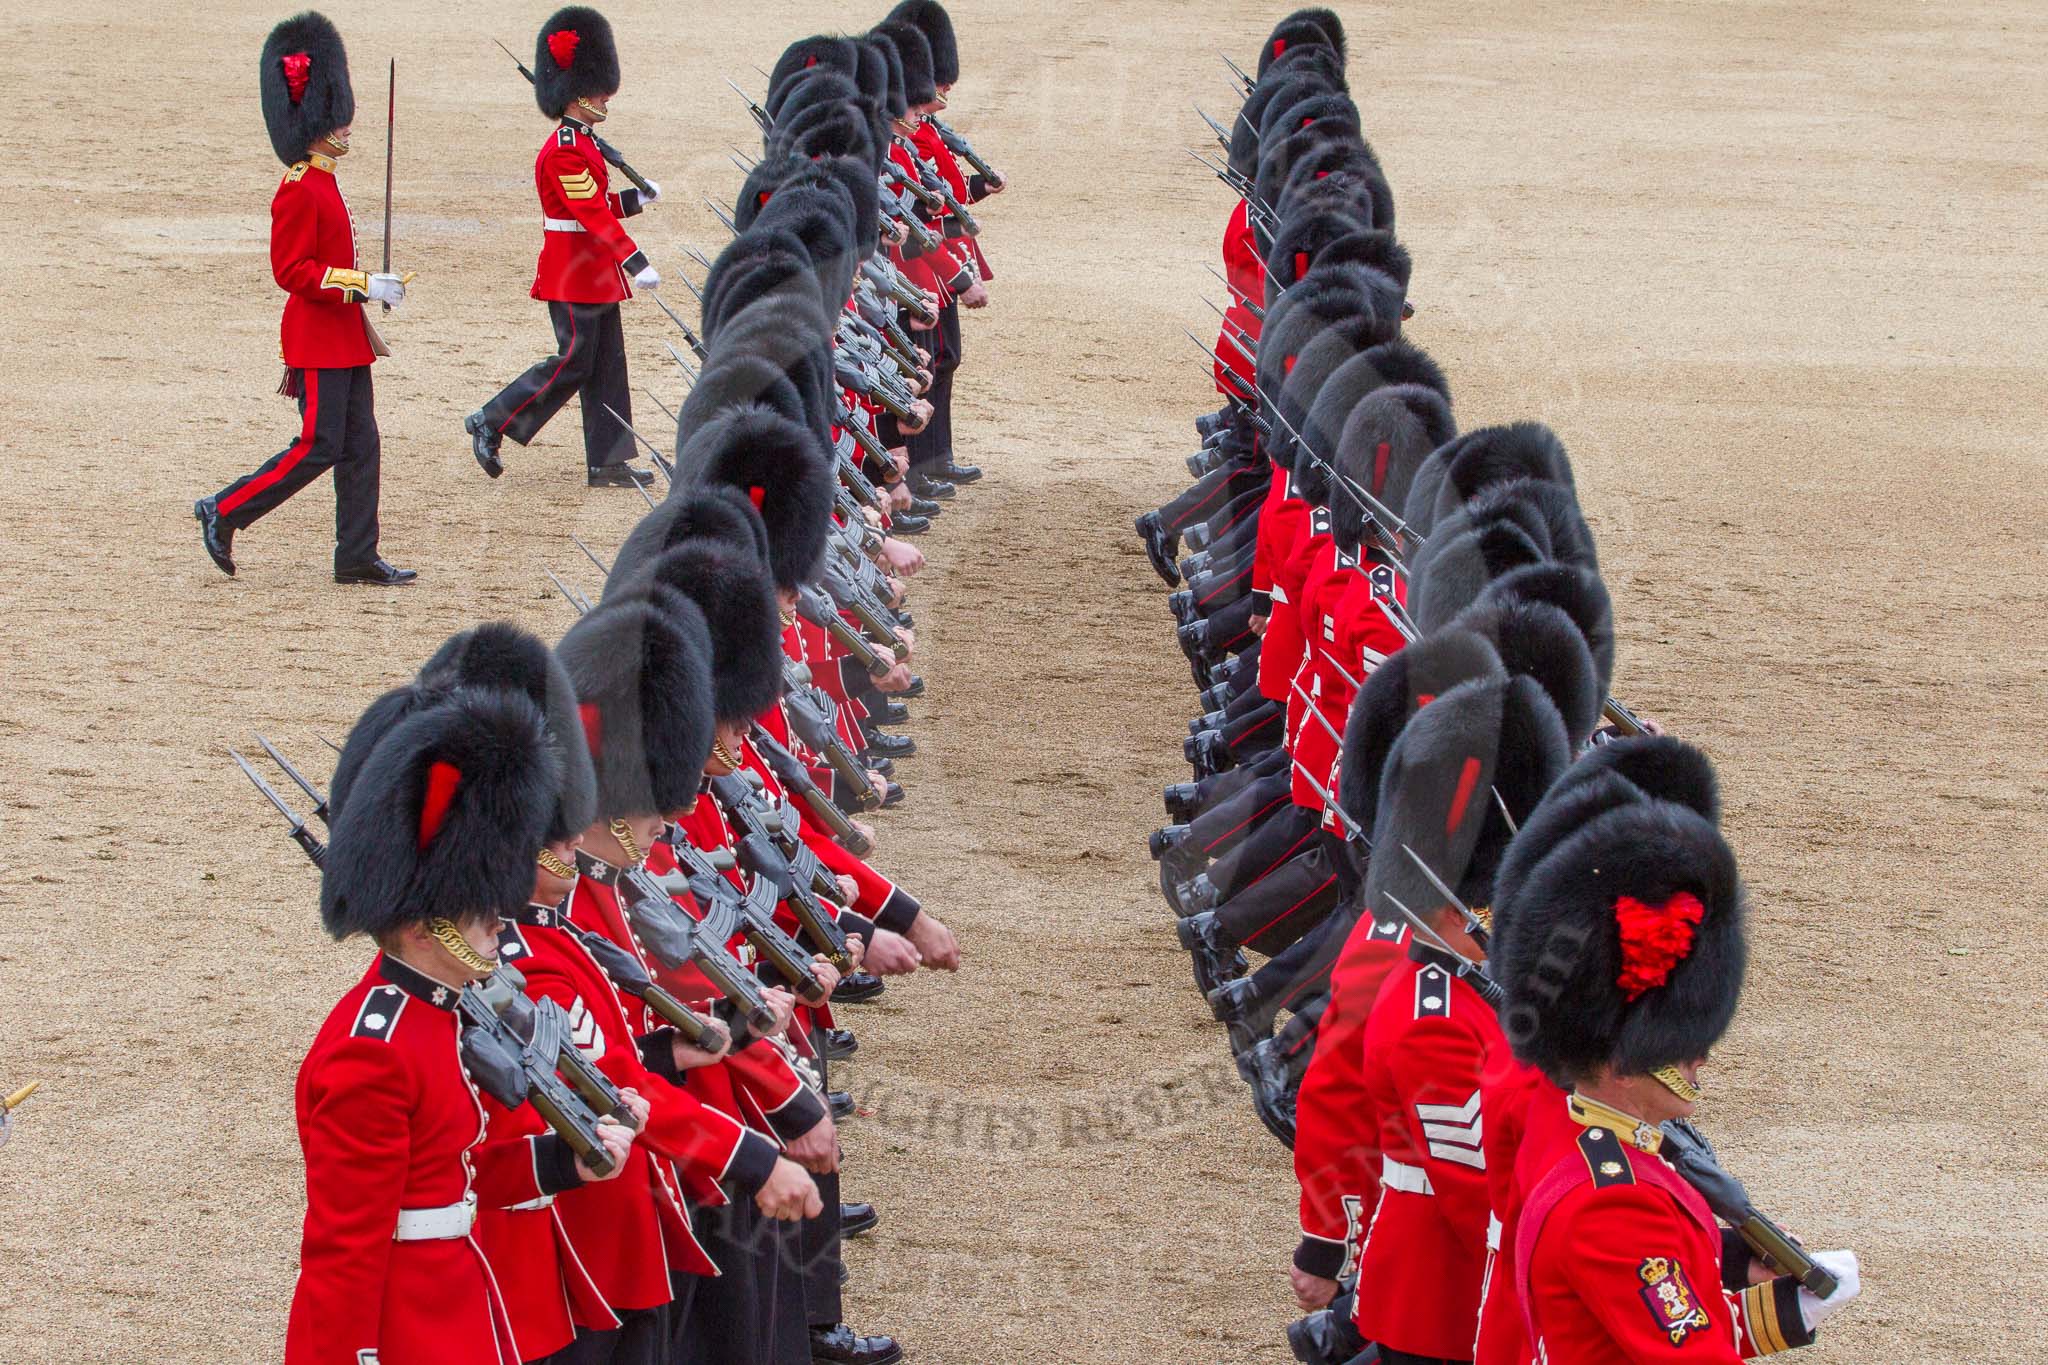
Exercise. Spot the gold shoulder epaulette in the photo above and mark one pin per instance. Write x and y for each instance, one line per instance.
(297, 171)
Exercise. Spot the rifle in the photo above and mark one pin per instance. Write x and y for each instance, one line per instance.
(688, 335)
(813, 607)
(605, 149)
(752, 918)
(780, 860)
(676, 940)
(627, 973)
(1692, 1156)
(867, 611)
(960, 147)
(810, 714)
(796, 778)
(520, 1049)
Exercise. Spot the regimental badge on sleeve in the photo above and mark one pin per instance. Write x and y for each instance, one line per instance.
(1670, 1298)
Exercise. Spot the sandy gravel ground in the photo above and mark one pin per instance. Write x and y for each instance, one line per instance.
(1774, 271)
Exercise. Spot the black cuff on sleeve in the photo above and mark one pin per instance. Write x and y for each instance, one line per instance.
(752, 1164)
(634, 263)
(1791, 1322)
(630, 202)
(797, 1117)
(897, 912)
(1319, 1256)
(554, 1164)
(977, 188)
(961, 282)
(852, 921)
(658, 1054)
(1262, 604)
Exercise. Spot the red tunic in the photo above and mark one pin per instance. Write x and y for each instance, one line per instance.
(585, 256)
(313, 259)
(389, 1121)
(1336, 1153)
(1619, 1260)
(547, 1290)
(1283, 524)
(1426, 1045)
(1347, 635)
(1507, 1096)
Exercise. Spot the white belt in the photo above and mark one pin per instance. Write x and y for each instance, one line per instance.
(436, 1225)
(1399, 1175)
(1493, 1230)
(561, 225)
(544, 1202)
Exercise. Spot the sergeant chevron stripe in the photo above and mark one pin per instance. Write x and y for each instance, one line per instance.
(583, 1031)
(1453, 1131)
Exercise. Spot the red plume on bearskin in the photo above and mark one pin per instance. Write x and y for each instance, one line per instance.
(1618, 916)
(574, 56)
(302, 80)
(447, 812)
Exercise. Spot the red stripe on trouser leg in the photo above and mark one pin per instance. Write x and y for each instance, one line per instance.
(1278, 862)
(1305, 899)
(291, 457)
(1250, 819)
(1225, 586)
(566, 350)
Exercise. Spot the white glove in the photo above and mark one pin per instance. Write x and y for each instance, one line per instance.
(1816, 1310)
(387, 289)
(648, 278)
(652, 193)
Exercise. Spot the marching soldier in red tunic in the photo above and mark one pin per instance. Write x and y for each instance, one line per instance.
(327, 343)
(435, 839)
(1622, 950)
(586, 259)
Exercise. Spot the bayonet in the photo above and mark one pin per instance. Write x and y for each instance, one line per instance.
(1489, 989)
(590, 555)
(1473, 924)
(575, 598)
(307, 841)
(298, 779)
(760, 115)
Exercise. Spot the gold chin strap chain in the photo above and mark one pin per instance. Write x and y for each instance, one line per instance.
(623, 832)
(337, 141)
(1484, 914)
(597, 115)
(547, 859)
(1673, 1080)
(725, 755)
(448, 936)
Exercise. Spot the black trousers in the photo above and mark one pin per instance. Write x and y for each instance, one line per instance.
(641, 1338)
(754, 1313)
(1284, 832)
(1228, 822)
(934, 445)
(1215, 490)
(1234, 526)
(590, 359)
(338, 431)
(1282, 906)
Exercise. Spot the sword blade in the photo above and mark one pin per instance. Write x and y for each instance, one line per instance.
(390, 126)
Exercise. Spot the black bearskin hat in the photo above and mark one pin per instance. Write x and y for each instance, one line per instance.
(1520, 450)
(496, 654)
(1301, 389)
(742, 616)
(721, 517)
(1620, 938)
(1483, 744)
(929, 17)
(1291, 78)
(770, 173)
(500, 654)
(1543, 642)
(1411, 678)
(782, 470)
(802, 57)
(730, 380)
(1385, 438)
(1313, 108)
(1303, 28)
(814, 88)
(304, 85)
(450, 808)
(919, 85)
(574, 56)
(840, 128)
(1578, 593)
(643, 683)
